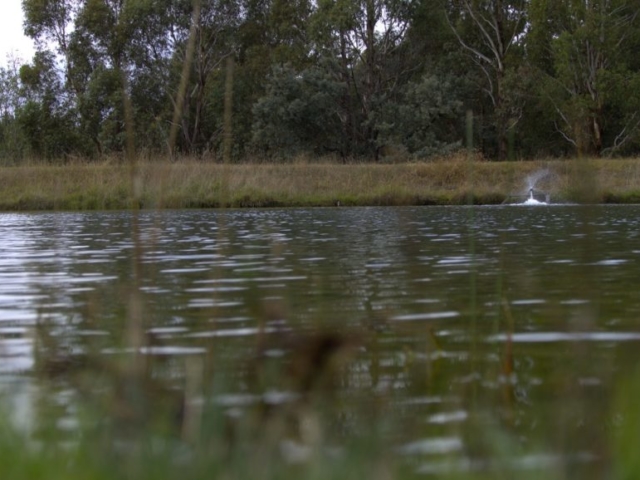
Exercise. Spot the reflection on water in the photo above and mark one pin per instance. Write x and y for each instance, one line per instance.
(464, 316)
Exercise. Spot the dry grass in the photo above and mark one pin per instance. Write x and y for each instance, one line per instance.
(192, 184)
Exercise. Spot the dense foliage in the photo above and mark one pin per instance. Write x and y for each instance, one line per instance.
(366, 79)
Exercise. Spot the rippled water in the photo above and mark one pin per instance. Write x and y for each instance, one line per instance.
(518, 318)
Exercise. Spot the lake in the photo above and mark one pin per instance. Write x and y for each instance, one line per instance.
(465, 338)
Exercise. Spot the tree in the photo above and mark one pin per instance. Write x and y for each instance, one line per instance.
(46, 119)
(272, 34)
(12, 144)
(491, 31)
(427, 119)
(299, 113)
(365, 36)
(50, 23)
(591, 82)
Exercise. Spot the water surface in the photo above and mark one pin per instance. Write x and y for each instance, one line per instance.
(464, 322)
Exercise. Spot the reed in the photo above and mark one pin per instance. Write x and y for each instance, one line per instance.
(199, 184)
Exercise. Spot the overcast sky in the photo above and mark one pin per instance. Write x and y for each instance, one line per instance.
(11, 36)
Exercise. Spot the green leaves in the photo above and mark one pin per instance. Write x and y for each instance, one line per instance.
(588, 45)
(49, 21)
(427, 119)
(348, 77)
(300, 112)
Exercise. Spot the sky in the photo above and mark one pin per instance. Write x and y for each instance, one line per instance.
(11, 37)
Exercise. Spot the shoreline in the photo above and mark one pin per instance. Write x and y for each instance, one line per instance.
(196, 184)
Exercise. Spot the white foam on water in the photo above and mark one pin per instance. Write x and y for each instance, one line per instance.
(167, 330)
(550, 337)
(428, 300)
(433, 446)
(231, 332)
(448, 417)
(611, 262)
(533, 201)
(531, 301)
(157, 350)
(426, 316)
(574, 301)
(172, 350)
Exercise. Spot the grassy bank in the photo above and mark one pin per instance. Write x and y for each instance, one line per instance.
(190, 184)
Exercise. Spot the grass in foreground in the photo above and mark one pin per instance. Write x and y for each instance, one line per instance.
(191, 184)
(129, 429)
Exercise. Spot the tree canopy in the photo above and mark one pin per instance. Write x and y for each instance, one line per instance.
(349, 78)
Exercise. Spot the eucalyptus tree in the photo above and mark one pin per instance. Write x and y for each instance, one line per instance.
(50, 23)
(273, 35)
(84, 43)
(593, 73)
(372, 88)
(365, 37)
(215, 30)
(426, 115)
(492, 33)
(47, 119)
(112, 50)
(299, 112)
(201, 41)
(101, 65)
(147, 45)
(11, 100)
(10, 94)
(157, 29)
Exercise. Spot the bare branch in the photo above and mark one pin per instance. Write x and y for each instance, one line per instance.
(565, 136)
(623, 137)
(489, 40)
(489, 90)
(474, 51)
(565, 120)
(515, 121)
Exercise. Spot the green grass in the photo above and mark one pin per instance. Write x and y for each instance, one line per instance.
(191, 184)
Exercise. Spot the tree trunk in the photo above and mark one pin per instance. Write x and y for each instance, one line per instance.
(371, 83)
(501, 118)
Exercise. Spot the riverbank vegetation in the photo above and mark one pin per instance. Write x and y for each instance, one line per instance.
(352, 78)
(453, 180)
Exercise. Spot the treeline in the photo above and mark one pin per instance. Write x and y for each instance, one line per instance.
(367, 79)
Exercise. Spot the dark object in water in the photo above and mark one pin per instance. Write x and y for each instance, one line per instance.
(316, 359)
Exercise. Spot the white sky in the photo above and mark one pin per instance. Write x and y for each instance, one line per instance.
(11, 37)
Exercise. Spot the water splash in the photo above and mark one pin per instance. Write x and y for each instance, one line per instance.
(535, 177)
(533, 201)
(533, 195)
